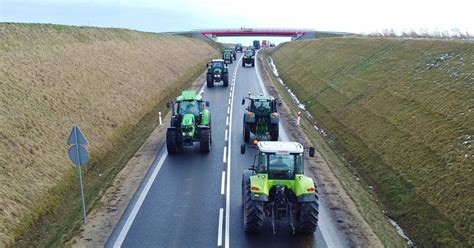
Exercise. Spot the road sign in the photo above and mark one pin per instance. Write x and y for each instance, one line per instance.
(79, 156)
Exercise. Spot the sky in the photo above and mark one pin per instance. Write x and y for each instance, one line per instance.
(356, 16)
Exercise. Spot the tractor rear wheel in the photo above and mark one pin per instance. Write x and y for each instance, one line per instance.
(210, 81)
(274, 132)
(246, 132)
(205, 140)
(172, 143)
(308, 218)
(253, 211)
(253, 64)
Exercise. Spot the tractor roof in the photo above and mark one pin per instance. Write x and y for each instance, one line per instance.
(189, 95)
(280, 146)
(218, 60)
(261, 97)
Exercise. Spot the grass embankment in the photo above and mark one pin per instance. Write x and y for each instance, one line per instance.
(401, 112)
(112, 82)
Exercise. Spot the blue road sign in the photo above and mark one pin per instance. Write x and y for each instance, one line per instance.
(76, 137)
(78, 155)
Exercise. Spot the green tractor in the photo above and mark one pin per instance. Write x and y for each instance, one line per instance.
(276, 188)
(217, 72)
(227, 56)
(249, 58)
(190, 122)
(262, 117)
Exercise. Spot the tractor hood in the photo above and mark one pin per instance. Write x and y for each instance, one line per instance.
(217, 71)
(187, 124)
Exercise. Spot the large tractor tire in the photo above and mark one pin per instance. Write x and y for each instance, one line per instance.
(210, 81)
(205, 140)
(226, 80)
(245, 179)
(243, 63)
(253, 211)
(172, 142)
(246, 132)
(253, 63)
(274, 132)
(308, 218)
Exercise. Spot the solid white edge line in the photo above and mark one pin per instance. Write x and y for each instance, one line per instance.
(226, 134)
(224, 157)
(328, 239)
(223, 183)
(227, 198)
(219, 231)
(139, 202)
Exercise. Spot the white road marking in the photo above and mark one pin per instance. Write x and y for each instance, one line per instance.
(224, 157)
(228, 109)
(227, 121)
(139, 202)
(223, 183)
(227, 198)
(226, 133)
(229, 100)
(219, 231)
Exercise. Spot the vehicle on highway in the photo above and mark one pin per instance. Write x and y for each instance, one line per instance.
(249, 58)
(234, 54)
(262, 118)
(251, 48)
(256, 44)
(238, 47)
(275, 187)
(217, 72)
(190, 122)
(272, 44)
(227, 56)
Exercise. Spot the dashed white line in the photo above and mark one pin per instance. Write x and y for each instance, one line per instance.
(228, 109)
(227, 121)
(223, 183)
(229, 101)
(225, 136)
(219, 232)
(224, 157)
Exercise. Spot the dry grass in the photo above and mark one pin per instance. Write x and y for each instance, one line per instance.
(52, 76)
(402, 113)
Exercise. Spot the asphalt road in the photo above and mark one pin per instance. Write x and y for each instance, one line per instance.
(194, 200)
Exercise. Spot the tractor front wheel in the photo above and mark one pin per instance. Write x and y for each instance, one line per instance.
(243, 63)
(246, 132)
(210, 81)
(172, 143)
(226, 80)
(205, 140)
(308, 218)
(253, 211)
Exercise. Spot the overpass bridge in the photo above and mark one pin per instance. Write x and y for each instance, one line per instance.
(295, 34)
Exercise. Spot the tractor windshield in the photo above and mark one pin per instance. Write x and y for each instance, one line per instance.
(217, 64)
(280, 165)
(189, 107)
(249, 53)
(261, 105)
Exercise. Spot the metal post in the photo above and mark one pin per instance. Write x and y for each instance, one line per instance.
(161, 121)
(298, 119)
(80, 179)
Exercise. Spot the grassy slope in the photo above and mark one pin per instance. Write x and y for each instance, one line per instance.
(110, 81)
(402, 111)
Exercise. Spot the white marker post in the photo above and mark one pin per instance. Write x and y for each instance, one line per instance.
(161, 120)
(298, 119)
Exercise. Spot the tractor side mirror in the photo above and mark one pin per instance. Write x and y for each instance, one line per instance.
(242, 149)
(207, 104)
(168, 105)
(311, 152)
(243, 101)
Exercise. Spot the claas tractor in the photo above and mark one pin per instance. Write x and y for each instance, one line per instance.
(190, 122)
(262, 118)
(275, 189)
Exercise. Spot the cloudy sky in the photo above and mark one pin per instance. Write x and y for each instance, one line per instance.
(358, 16)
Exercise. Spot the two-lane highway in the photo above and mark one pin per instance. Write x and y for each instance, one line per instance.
(194, 200)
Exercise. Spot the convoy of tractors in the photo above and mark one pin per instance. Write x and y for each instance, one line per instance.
(274, 188)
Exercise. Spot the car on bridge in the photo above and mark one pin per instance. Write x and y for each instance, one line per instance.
(217, 72)
(249, 58)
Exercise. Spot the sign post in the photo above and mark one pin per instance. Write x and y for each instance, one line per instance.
(298, 119)
(79, 156)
